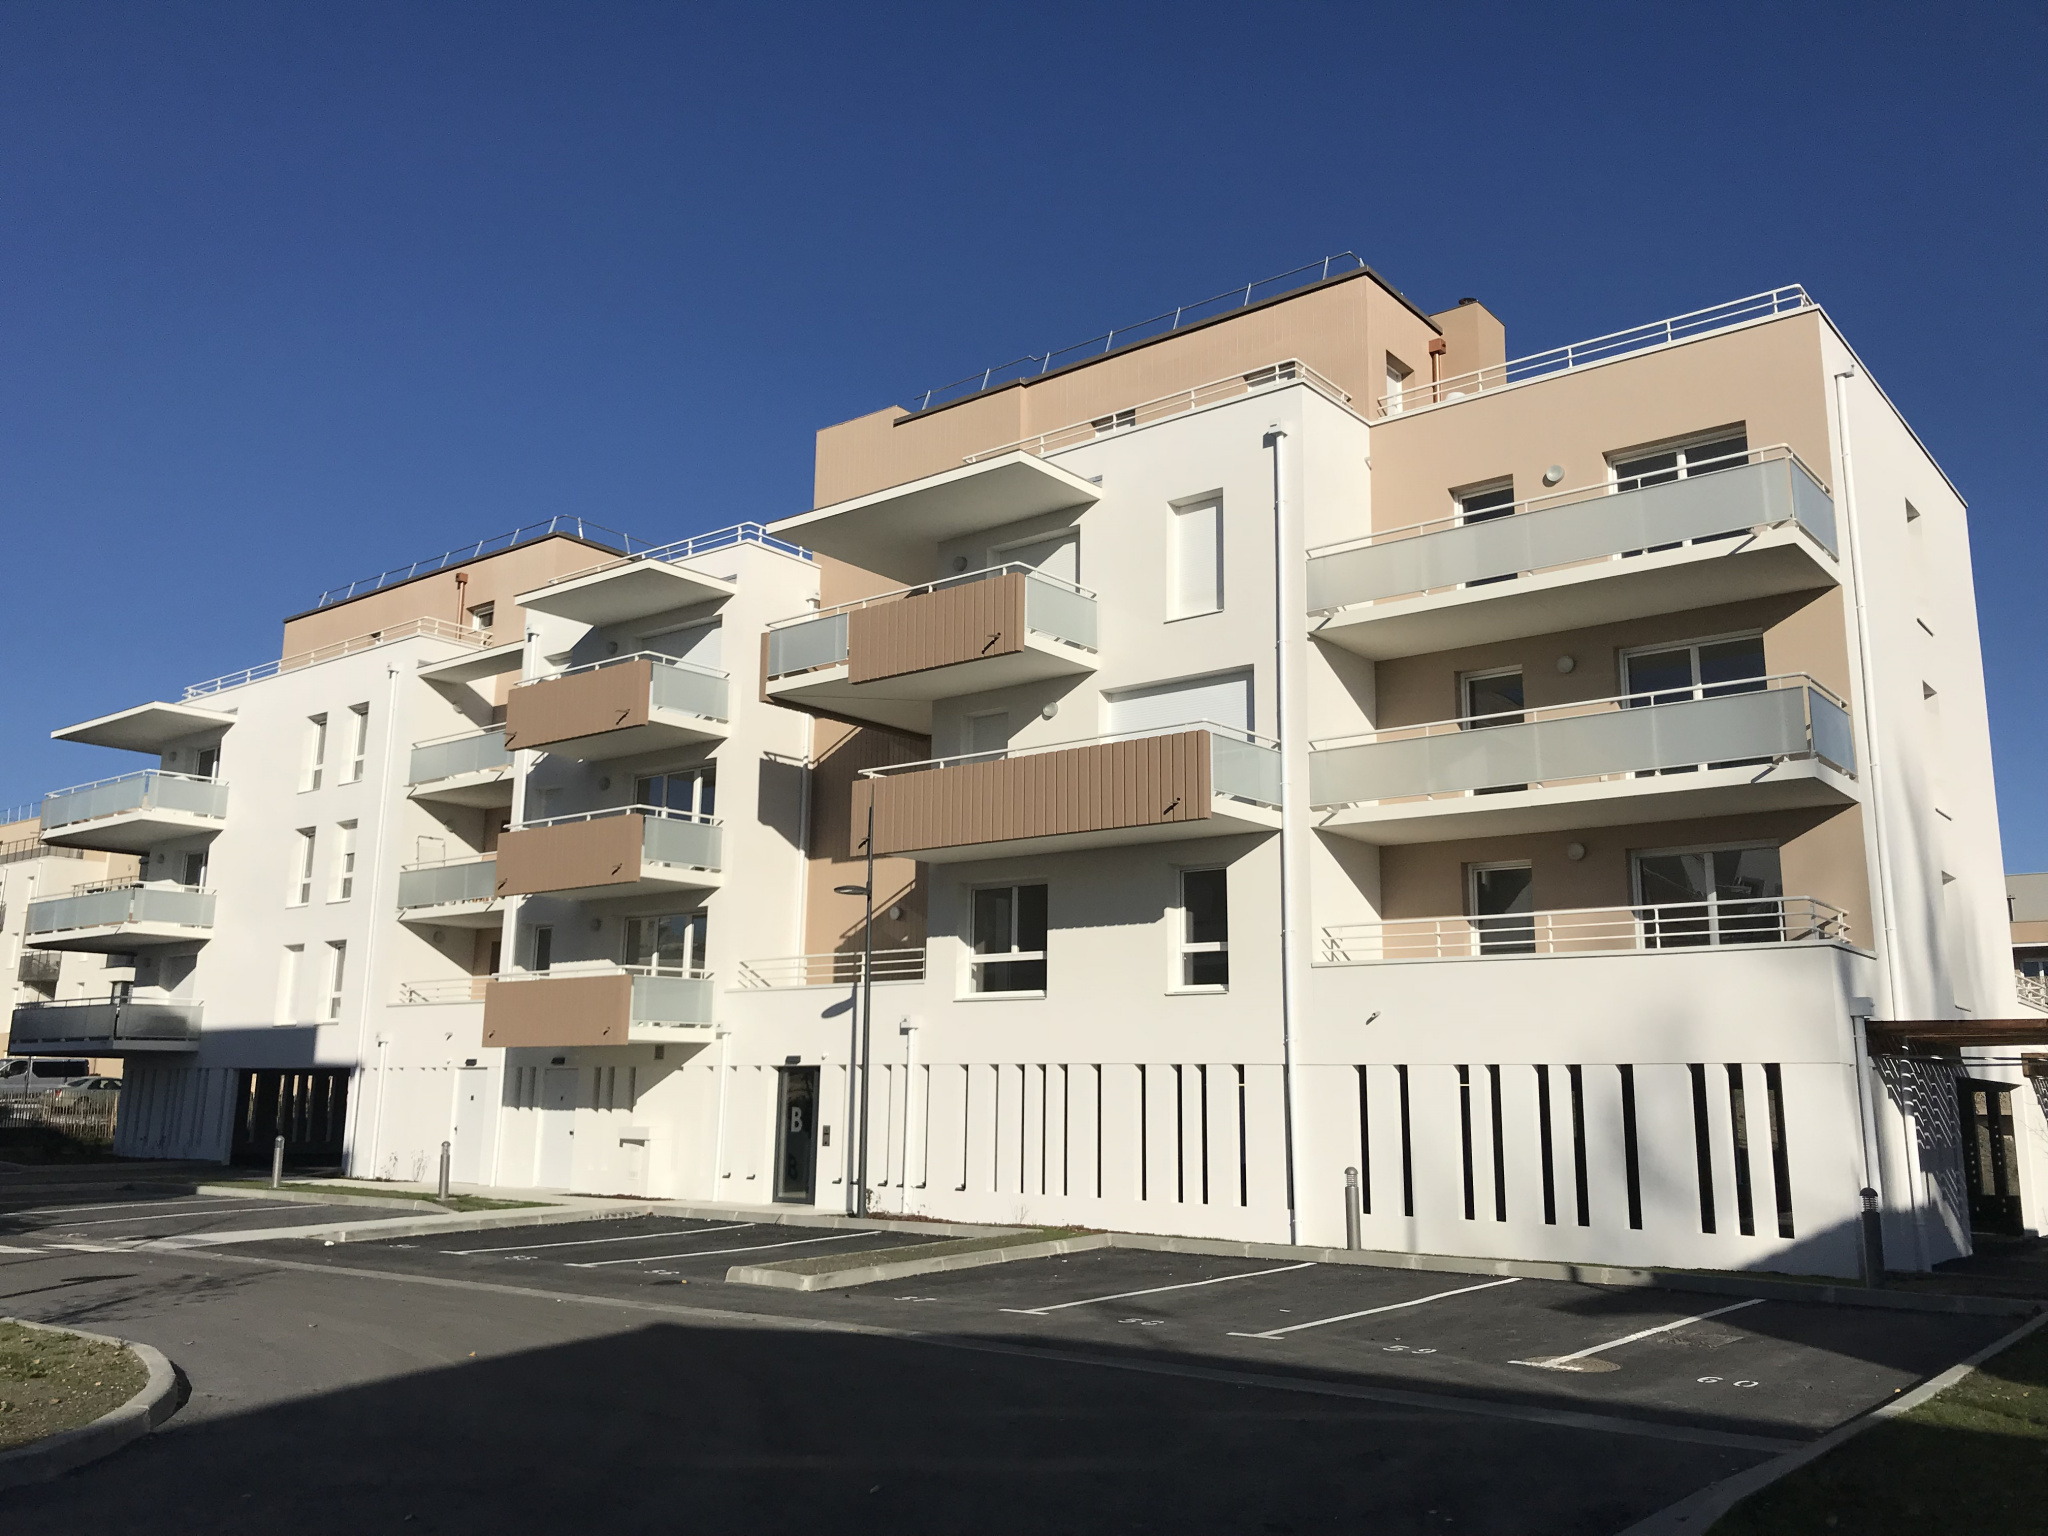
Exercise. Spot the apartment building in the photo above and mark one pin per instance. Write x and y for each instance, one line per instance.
(30, 868)
(1287, 743)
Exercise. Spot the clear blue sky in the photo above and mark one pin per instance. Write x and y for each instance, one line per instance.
(295, 292)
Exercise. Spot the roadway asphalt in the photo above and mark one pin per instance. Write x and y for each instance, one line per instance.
(603, 1375)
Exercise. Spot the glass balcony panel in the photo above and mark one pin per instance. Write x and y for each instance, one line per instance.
(819, 642)
(124, 904)
(690, 691)
(671, 840)
(476, 753)
(1059, 611)
(148, 790)
(438, 885)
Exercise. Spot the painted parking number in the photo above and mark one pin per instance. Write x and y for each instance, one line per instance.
(1709, 1381)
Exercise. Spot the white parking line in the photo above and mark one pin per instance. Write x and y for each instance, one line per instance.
(584, 1242)
(5, 1249)
(220, 1210)
(1566, 1362)
(1345, 1317)
(1185, 1285)
(106, 1205)
(656, 1258)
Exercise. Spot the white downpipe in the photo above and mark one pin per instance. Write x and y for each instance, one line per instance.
(381, 901)
(1286, 603)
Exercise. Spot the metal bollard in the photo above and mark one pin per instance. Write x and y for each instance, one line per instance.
(1354, 1210)
(1873, 1240)
(277, 1163)
(442, 1192)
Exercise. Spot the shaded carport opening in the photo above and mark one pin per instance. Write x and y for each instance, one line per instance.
(308, 1106)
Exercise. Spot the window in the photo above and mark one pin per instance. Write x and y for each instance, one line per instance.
(1225, 698)
(337, 969)
(483, 615)
(1700, 669)
(1694, 896)
(989, 732)
(1500, 899)
(1195, 559)
(207, 763)
(359, 741)
(1491, 698)
(1397, 380)
(686, 792)
(302, 885)
(345, 862)
(286, 1011)
(195, 870)
(1633, 468)
(1484, 504)
(1008, 939)
(673, 941)
(543, 948)
(316, 751)
(1204, 928)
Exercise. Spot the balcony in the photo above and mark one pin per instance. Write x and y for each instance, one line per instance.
(1202, 781)
(829, 968)
(617, 708)
(451, 893)
(103, 1026)
(1762, 745)
(472, 768)
(1758, 525)
(885, 659)
(1691, 925)
(132, 813)
(597, 1005)
(116, 919)
(630, 850)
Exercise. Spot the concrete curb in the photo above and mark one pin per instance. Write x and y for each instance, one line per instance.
(906, 1269)
(1698, 1511)
(397, 1226)
(800, 1217)
(40, 1460)
(1601, 1274)
(305, 1197)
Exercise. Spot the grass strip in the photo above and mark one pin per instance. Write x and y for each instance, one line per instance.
(914, 1253)
(463, 1203)
(51, 1382)
(1973, 1459)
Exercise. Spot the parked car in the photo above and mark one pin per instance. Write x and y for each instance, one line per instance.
(97, 1093)
(22, 1076)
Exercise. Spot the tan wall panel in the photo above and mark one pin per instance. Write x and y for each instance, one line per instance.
(833, 923)
(1769, 377)
(2030, 933)
(569, 1011)
(936, 629)
(583, 704)
(570, 856)
(1153, 781)
(493, 579)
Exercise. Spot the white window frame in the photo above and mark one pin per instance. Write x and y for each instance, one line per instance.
(1679, 446)
(344, 861)
(316, 753)
(483, 616)
(971, 989)
(1179, 515)
(337, 977)
(300, 892)
(1182, 946)
(540, 948)
(696, 927)
(1460, 495)
(1697, 687)
(359, 745)
(1398, 374)
(287, 1009)
(1465, 681)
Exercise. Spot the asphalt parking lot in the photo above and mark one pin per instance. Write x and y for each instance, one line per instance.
(549, 1377)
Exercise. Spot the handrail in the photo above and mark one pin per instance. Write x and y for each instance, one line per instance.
(1599, 349)
(684, 549)
(964, 578)
(102, 887)
(577, 527)
(1230, 387)
(1231, 732)
(460, 858)
(1591, 491)
(1001, 373)
(1710, 922)
(139, 773)
(27, 812)
(110, 1000)
(496, 729)
(662, 811)
(435, 629)
(614, 661)
(1650, 699)
(841, 968)
(570, 969)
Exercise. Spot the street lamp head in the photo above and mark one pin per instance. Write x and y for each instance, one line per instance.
(850, 890)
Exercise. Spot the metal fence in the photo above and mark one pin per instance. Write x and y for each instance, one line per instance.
(83, 1117)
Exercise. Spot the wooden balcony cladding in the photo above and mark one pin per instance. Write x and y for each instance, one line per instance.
(558, 1012)
(1149, 782)
(573, 856)
(936, 629)
(582, 704)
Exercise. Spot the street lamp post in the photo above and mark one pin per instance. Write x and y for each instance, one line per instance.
(867, 1011)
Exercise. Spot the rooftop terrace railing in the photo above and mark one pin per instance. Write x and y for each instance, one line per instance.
(433, 629)
(1600, 349)
(1035, 364)
(574, 527)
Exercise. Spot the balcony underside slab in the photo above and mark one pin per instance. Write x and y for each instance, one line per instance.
(904, 702)
(119, 938)
(133, 831)
(664, 729)
(1606, 803)
(483, 787)
(456, 914)
(1227, 818)
(1766, 564)
(654, 880)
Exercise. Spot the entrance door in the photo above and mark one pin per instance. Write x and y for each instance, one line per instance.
(1990, 1156)
(472, 1126)
(557, 1127)
(796, 1136)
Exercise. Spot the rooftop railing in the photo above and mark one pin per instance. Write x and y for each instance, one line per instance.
(1716, 922)
(574, 527)
(1035, 364)
(685, 549)
(1288, 371)
(433, 629)
(1600, 349)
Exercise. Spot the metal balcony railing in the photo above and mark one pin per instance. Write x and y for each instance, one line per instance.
(1765, 488)
(110, 1021)
(445, 882)
(1053, 607)
(682, 686)
(173, 905)
(151, 789)
(2033, 990)
(443, 989)
(1242, 764)
(662, 996)
(835, 968)
(1716, 922)
(1764, 719)
(470, 752)
(681, 838)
